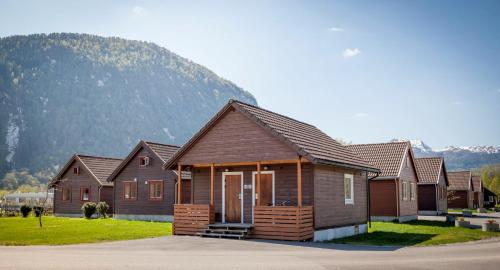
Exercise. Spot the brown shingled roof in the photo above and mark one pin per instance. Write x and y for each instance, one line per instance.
(429, 169)
(163, 151)
(99, 167)
(307, 140)
(460, 180)
(388, 157)
(476, 183)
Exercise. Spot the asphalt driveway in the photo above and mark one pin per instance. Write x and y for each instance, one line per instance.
(476, 220)
(183, 252)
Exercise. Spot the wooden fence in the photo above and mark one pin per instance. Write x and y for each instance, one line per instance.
(190, 219)
(283, 222)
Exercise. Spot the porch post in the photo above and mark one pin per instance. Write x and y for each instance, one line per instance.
(179, 183)
(212, 193)
(299, 183)
(258, 184)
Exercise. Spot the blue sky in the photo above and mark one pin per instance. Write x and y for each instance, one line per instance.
(364, 71)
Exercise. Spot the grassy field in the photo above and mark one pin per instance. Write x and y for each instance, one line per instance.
(61, 231)
(459, 211)
(415, 233)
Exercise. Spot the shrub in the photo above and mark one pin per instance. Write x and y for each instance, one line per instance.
(102, 208)
(491, 221)
(38, 210)
(89, 209)
(25, 210)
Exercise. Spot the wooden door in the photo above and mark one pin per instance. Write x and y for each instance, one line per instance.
(266, 189)
(186, 191)
(233, 198)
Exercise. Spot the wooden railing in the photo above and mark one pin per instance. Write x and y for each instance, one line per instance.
(190, 219)
(283, 222)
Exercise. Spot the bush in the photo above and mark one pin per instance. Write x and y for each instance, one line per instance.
(25, 210)
(89, 209)
(102, 208)
(38, 210)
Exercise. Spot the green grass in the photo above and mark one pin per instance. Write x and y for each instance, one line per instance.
(459, 211)
(415, 233)
(20, 231)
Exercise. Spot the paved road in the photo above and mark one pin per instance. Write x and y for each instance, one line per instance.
(178, 252)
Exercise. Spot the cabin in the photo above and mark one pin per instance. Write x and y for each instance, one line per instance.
(256, 173)
(393, 193)
(432, 186)
(143, 190)
(477, 188)
(460, 193)
(81, 180)
(490, 199)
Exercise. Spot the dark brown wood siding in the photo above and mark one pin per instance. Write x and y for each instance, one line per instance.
(107, 196)
(408, 174)
(330, 209)
(285, 186)
(237, 139)
(383, 198)
(458, 199)
(75, 182)
(154, 171)
(427, 198)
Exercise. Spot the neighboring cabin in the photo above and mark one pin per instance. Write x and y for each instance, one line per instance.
(393, 193)
(432, 186)
(490, 198)
(255, 168)
(460, 192)
(143, 190)
(83, 179)
(477, 188)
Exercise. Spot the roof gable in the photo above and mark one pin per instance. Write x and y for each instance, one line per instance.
(162, 152)
(98, 167)
(306, 140)
(429, 170)
(460, 180)
(388, 157)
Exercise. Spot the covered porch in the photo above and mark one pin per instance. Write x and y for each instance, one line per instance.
(265, 198)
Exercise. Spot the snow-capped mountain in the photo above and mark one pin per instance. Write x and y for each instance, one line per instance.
(462, 157)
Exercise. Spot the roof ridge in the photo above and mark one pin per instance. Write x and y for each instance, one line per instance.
(429, 158)
(260, 108)
(100, 157)
(402, 142)
(165, 144)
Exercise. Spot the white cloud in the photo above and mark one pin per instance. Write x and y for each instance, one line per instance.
(348, 53)
(336, 29)
(138, 11)
(360, 115)
(457, 103)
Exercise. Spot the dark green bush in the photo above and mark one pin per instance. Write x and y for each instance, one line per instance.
(102, 208)
(89, 208)
(25, 210)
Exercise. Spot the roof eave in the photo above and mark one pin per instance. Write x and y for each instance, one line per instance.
(345, 165)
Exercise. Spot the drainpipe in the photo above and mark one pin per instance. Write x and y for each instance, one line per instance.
(368, 197)
(437, 202)
(397, 197)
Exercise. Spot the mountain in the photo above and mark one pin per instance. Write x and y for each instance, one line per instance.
(67, 93)
(459, 158)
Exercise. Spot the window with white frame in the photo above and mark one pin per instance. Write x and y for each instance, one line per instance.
(404, 189)
(413, 191)
(349, 188)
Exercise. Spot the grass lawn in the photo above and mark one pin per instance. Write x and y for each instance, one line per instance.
(20, 231)
(459, 211)
(415, 233)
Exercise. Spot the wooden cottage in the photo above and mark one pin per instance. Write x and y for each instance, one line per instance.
(143, 190)
(83, 179)
(460, 193)
(477, 188)
(432, 186)
(490, 199)
(261, 174)
(394, 191)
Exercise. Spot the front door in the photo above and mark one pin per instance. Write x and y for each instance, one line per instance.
(266, 190)
(233, 197)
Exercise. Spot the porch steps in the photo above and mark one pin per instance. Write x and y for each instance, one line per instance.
(231, 231)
